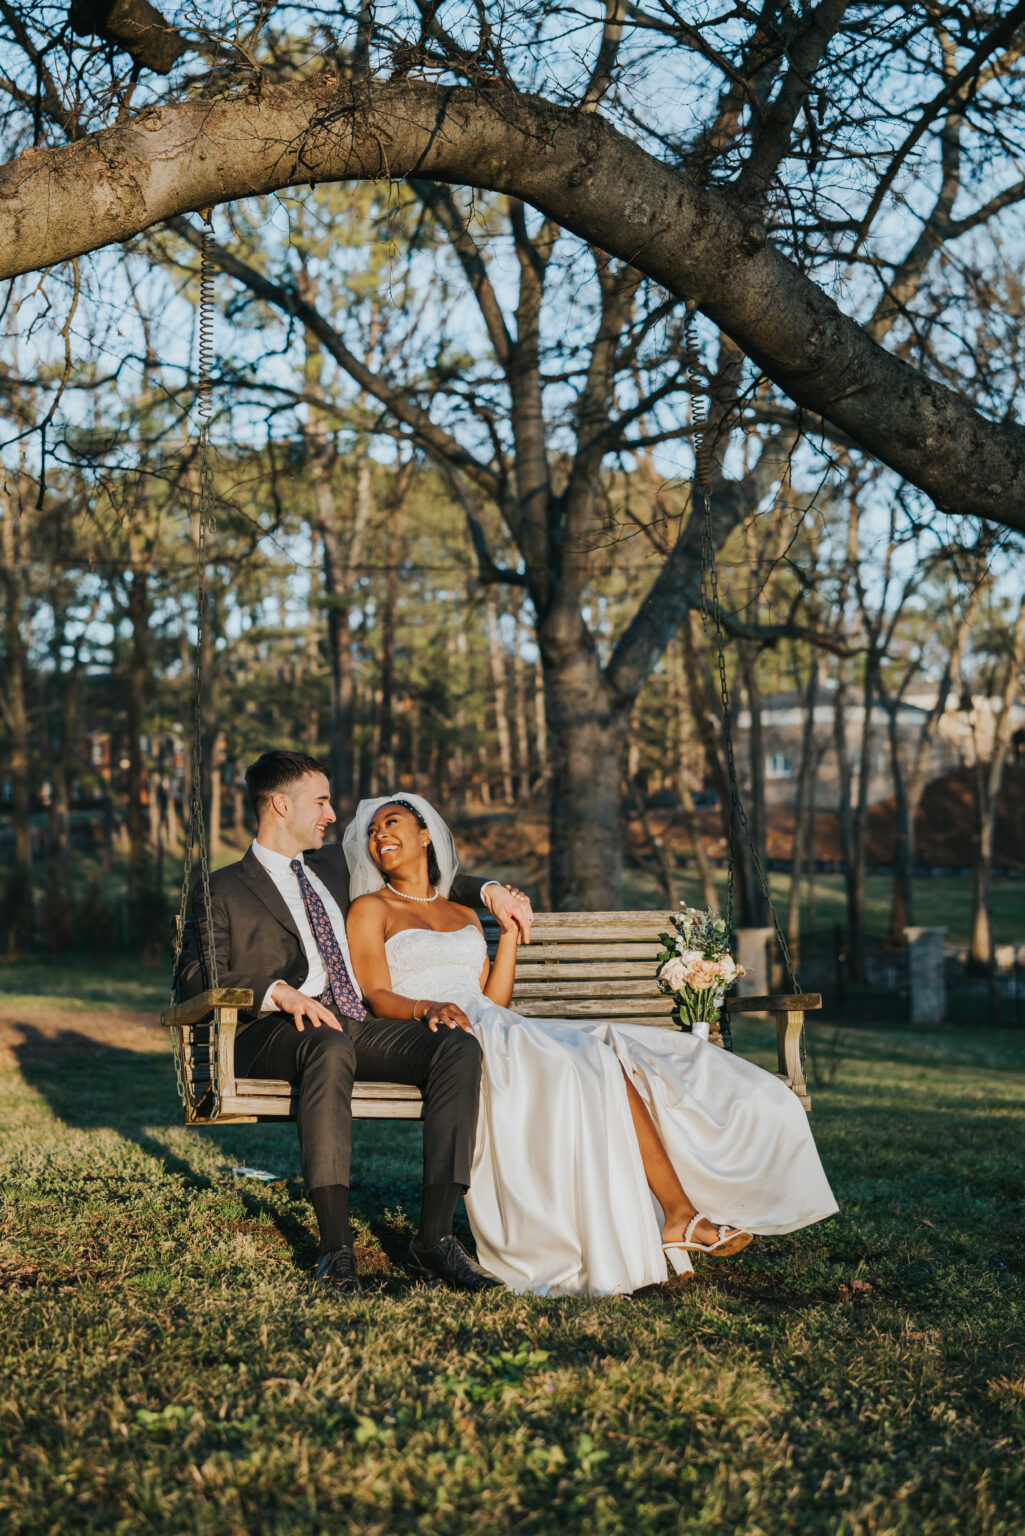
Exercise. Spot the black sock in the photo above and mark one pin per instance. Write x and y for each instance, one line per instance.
(439, 1207)
(331, 1203)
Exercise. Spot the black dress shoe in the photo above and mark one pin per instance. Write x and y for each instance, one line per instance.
(448, 1260)
(337, 1271)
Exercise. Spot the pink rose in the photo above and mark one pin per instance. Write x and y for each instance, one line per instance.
(702, 974)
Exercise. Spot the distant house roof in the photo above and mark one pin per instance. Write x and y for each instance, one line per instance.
(788, 708)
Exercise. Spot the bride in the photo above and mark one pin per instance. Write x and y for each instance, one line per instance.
(578, 1121)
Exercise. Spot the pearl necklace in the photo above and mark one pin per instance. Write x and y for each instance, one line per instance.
(406, 897)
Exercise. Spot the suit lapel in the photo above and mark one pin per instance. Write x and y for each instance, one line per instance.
(252, 872)
(328, 864)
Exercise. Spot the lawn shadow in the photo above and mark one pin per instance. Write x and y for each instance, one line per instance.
(51, 1063)
(941, 1047)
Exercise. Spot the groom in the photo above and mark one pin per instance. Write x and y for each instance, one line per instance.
(278, 919)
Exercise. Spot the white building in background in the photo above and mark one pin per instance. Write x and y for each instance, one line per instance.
(964, 737)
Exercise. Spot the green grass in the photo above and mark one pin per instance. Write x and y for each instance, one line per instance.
(165, 1367)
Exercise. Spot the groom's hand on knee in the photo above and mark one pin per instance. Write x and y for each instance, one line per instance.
(291, 1000)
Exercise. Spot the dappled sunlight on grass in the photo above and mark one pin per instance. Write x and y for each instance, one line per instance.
(167, 1367)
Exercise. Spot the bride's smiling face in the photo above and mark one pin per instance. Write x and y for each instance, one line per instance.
(396, 839)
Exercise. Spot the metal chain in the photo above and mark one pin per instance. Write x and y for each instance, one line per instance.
(710, 603)
(195, 834)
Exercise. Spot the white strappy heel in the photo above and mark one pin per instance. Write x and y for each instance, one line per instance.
(726, 1245)
(678, 1258)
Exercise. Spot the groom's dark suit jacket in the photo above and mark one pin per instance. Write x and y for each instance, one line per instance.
(255, 938)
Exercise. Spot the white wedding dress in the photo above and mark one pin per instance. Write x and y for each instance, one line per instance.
(558, 1201)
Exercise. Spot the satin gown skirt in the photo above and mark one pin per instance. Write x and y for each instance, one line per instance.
(558, 1202)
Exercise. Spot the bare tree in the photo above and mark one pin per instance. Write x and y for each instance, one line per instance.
(702, 222)
(989, 773)
(15, 505)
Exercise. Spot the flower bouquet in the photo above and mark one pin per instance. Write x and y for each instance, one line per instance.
(696, 967)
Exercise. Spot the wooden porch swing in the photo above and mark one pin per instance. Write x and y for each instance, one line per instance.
(579, 965)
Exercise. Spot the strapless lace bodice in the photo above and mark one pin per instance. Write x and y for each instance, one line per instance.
(445, 967)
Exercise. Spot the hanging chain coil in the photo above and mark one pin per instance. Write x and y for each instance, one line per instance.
(711, 607)
(195, 834)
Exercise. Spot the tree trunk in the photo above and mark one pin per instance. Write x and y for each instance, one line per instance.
(520, 707)
(902, 905)
(810, 895)
(457, 649)
(496, 662)
(661, 858)
(755, 905)
(981, 948)
(238, 810)
(989, 780)
(585, 743)
(540, 722)
(389, 765)
(484, 770)
(136, 678)
(414, 747)
(679, 776)
(216, 796)
(16, 719)
(343, 551)
(844, 805)
(805, 776)
(909, 786)
(857, 875)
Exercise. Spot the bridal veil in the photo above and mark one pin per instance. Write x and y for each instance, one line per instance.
(364, 875)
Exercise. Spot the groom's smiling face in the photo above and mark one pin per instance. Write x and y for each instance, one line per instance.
(308, 810)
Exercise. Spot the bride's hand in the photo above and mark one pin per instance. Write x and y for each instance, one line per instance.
(447, 1014)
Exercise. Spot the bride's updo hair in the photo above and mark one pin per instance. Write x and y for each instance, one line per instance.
(433, 871)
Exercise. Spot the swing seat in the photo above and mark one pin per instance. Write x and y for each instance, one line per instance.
(578, 965)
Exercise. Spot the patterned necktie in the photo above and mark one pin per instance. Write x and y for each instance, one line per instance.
(339, 988)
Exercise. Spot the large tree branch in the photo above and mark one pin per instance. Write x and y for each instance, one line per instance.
(576, 168)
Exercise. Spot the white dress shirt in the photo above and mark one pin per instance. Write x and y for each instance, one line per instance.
(278, 866)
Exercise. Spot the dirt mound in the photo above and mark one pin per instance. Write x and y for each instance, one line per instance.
(945, 827)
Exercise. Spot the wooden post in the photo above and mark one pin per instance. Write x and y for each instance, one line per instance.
(789, 1024)
(227, 1019)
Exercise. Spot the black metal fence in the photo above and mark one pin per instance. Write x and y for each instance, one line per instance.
(872, 985)
(993, 996)
(875, 985)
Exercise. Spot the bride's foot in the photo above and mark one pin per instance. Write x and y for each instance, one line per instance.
(692, 1233)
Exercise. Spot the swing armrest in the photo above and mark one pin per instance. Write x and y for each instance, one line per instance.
(194, 1009)
(775, 1002)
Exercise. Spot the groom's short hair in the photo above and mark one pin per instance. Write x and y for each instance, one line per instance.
(275, 771)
